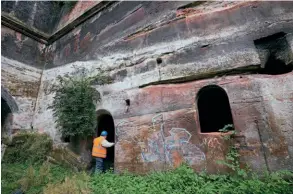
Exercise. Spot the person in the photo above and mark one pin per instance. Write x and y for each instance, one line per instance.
(99, 151)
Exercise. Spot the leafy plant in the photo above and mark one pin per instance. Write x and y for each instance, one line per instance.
(31, 178)
(226, 129)
(180, 180)
(77, 184)
(74, 104)
(34, 180)
(232, 157)
(28, 147)
(185, 180)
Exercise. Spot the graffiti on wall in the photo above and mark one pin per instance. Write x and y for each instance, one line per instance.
(123, 131)
(171, 149)
(212, 142)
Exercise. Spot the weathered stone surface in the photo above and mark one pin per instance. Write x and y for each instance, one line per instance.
(235, 23)
(248, 108)
(63, 156)
(9, 100)
(69, 14)
(19, 47)
(40, 15)
(159, 55)
(22, 82)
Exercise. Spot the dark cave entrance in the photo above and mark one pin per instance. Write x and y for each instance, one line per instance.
(275, 66)
(275, 54)
(213, 109)
(5, 111)
(106, 123)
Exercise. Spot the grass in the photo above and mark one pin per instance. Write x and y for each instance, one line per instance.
(185, 180)
(31, 178)
(24, 164)
(33, 175)
(59, 180)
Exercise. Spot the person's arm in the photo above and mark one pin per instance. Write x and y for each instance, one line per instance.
(107, 144)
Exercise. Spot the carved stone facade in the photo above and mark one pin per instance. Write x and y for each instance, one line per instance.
(160, 55)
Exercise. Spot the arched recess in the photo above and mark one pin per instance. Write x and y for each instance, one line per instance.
(8, 107)
(213, 109)
(105, 122)
(9, 99)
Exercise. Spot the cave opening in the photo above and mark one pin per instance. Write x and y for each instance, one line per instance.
(213, 109)
(106, 123)
(5, 111)
(275, 66)
(275, 54)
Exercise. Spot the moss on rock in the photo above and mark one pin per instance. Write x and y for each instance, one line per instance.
(63, 156)
(28, 147)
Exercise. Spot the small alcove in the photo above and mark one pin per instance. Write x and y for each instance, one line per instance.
(213, 109)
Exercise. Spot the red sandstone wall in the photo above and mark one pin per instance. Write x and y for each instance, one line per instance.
(126, 40)
(79, 8)
(151, 141)
(21, 63)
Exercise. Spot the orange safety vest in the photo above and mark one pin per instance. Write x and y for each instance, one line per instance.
(98, 150)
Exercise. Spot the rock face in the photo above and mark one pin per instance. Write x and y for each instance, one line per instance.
(160, 56)
(39, 15)
(21, 69)
(63, 156)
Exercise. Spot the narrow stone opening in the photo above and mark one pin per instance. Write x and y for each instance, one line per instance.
(127, 102)
(159, 60)
(275, 54)
(213, 109)
(5, 111)
(65, 139)
(275, 66)
(106, 123)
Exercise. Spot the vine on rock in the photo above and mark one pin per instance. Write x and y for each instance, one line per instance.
(232, 158)
(74, 104)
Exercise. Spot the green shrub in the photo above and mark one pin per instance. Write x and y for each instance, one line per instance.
(74, 107)
(184, 180)
(74, 102)
(55, 179)
(28, 147)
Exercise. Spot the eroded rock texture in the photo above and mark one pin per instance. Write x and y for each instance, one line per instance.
(160, 55)
(20, 76)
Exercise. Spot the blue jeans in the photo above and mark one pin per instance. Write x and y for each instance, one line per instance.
(99, 165)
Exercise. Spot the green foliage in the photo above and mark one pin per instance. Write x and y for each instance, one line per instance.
(76, 184)
(74, 104)
(31, 178)
(181, 180)
(10, 174)
(28, 147)
(232, 161)
(232, 157)
(34, 177)
(228, 128)
(184, 180)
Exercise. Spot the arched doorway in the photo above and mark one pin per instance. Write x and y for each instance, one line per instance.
(105, 122)
(5, 115)
(8, 107)
(213, 109)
